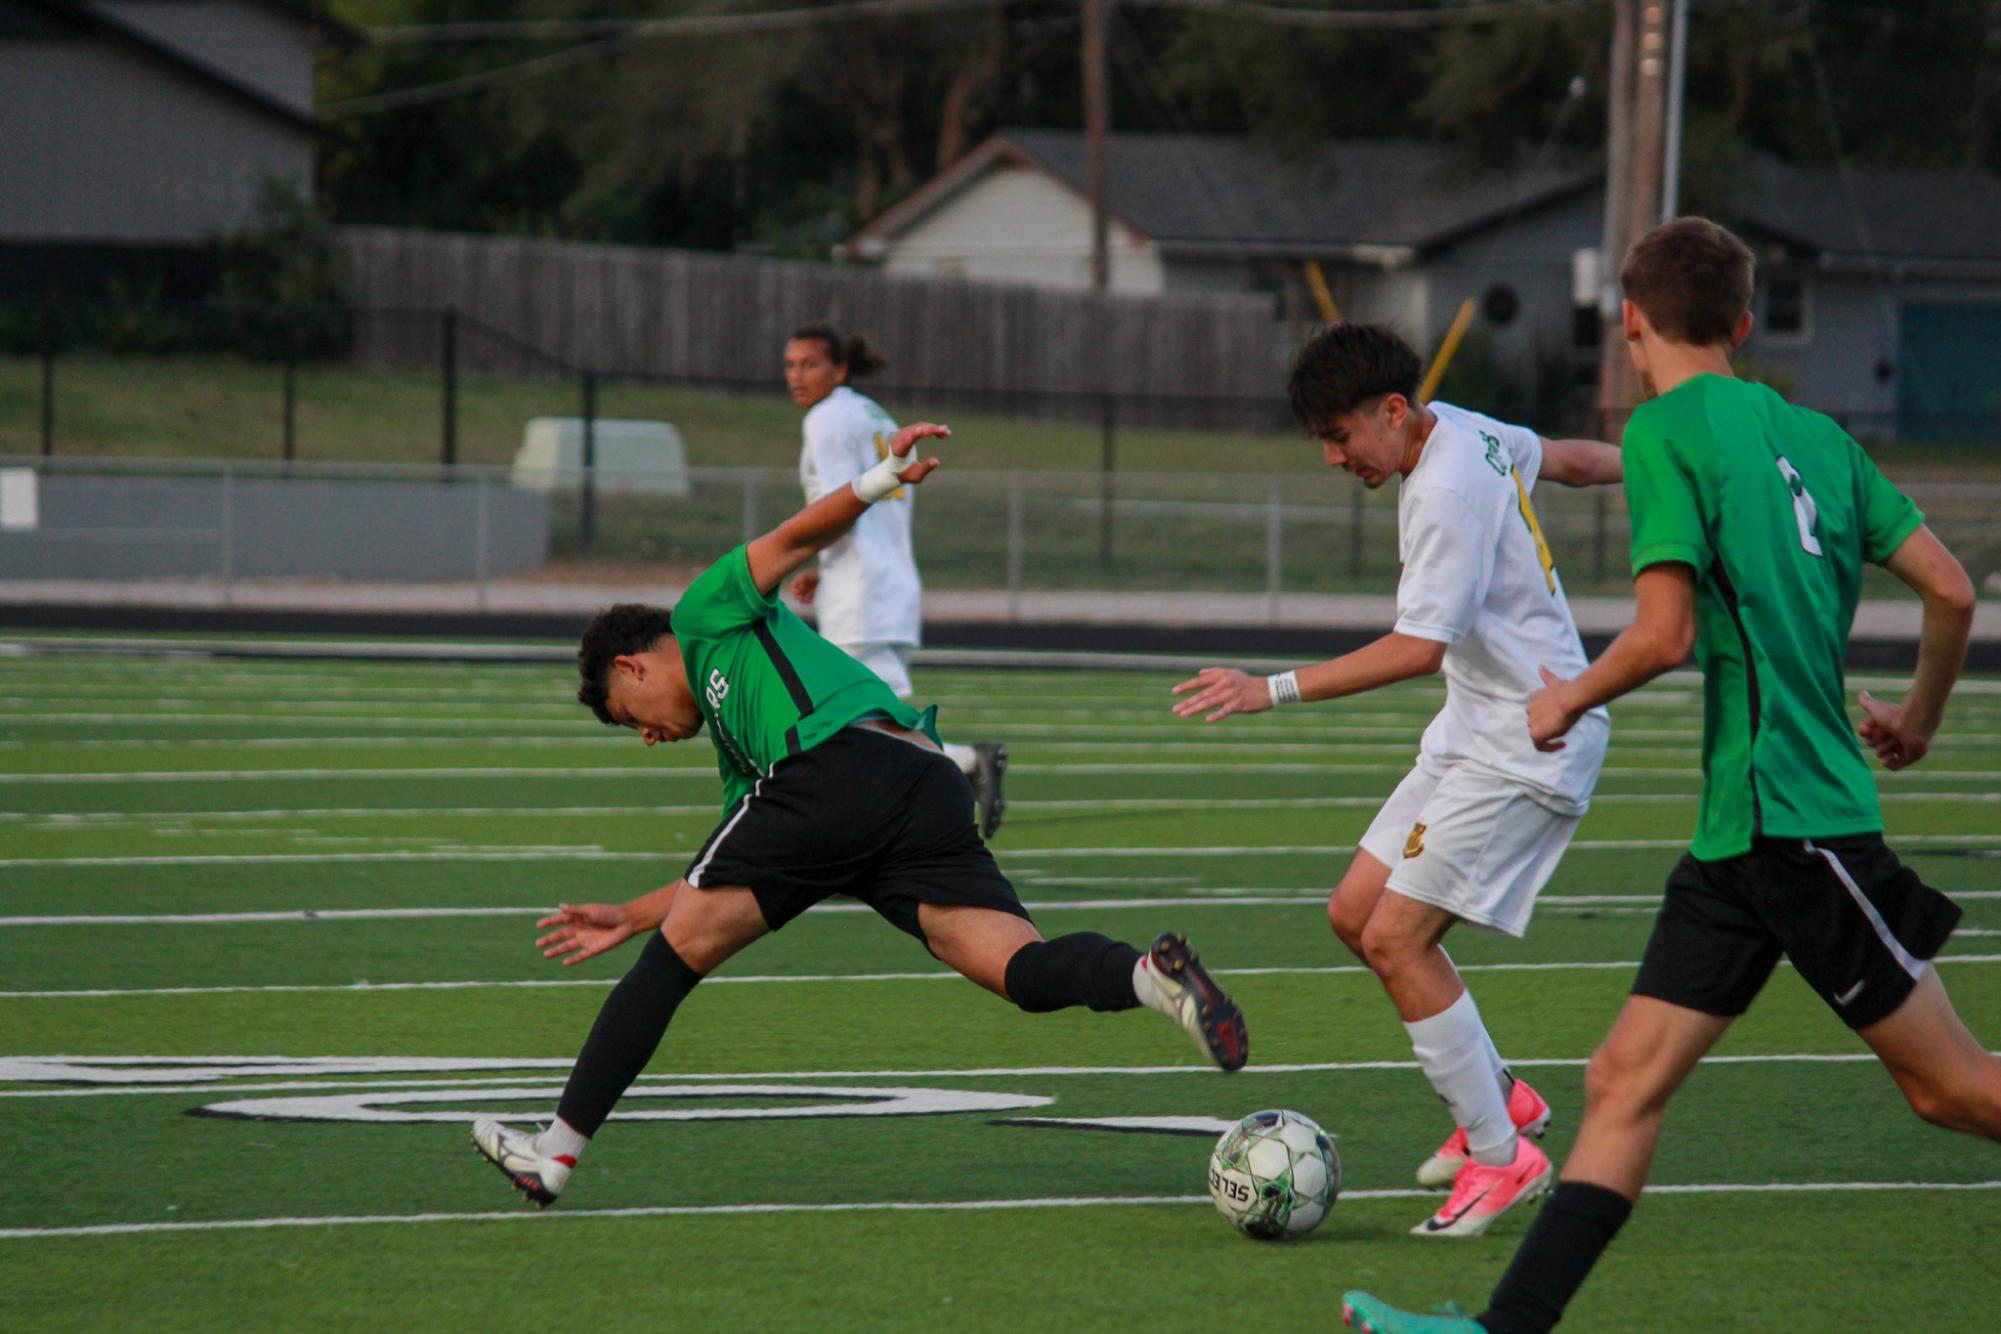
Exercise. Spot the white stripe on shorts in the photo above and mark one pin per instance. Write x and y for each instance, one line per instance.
(1915, 967)
(695, 873)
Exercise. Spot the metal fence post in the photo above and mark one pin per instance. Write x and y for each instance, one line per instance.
(228, 535)
(1274, 547)
(1603, 518)
(48, 380)
(587, 493)
(448, 353)
(291, 408)
(479, 522)
(1355, 515)
(1015, 551)
(1108, 442)
(749, 504)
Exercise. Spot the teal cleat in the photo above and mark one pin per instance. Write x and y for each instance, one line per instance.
(1373, 1315)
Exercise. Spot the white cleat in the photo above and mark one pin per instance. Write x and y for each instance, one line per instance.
(1482, 1193)
(1170, 979)
(1526, 1109)
(539, 1176)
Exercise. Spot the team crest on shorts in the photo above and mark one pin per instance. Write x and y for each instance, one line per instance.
(1415, 843)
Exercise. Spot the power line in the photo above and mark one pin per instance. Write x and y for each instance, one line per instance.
(1308, 16)
(608, 36)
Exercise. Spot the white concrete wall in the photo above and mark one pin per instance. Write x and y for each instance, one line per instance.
(103, 144)
(1018, 225)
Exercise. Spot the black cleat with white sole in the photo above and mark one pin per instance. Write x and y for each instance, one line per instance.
(1176, 984)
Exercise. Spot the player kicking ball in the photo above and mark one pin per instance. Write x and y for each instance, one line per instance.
(832, 785)
(1751, 522)
(1478, 826)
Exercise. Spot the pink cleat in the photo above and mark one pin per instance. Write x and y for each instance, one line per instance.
(1482, 1193)
(1526, 1109)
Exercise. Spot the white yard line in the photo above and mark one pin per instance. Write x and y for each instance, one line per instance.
(100, 819)
(899, 1206)
(363, 988)
(1005, 853)
(556, 773)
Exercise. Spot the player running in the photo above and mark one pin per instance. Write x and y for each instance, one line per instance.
(1751, 521)
(832, 785)
(1478, 826)
(865, 591)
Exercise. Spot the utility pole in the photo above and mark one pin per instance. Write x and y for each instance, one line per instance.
(1096, 115)
(1635, 150)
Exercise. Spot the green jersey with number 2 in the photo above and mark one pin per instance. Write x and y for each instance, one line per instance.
(1776, 508)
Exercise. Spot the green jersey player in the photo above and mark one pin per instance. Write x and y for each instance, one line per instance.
(831, 785)
(1751, 522)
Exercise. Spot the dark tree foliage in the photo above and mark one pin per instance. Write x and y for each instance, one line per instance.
(786, 141)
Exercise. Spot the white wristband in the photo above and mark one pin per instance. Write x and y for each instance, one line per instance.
(881, 479)
(1284, 688)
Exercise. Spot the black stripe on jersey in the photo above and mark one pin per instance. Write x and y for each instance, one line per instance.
(1729, 592)
(786, 671)
(792, 740)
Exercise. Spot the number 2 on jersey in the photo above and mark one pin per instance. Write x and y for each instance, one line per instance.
(1804, 510)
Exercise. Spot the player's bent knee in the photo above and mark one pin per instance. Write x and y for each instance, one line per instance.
(1973, 1107)
(1386, 950)
(1346, 926)
(1617, 1082)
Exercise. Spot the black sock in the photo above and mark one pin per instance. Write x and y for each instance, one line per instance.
(627, 1032)
(1083, 968)
(1570, 1232)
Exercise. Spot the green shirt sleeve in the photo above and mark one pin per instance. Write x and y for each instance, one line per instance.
(1888, 515)
(1663, 503)
(722, 598)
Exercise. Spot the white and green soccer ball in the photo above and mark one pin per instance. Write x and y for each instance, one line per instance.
(1274, 1175)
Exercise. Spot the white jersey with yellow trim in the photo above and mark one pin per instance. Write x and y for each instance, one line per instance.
(1478, 577)
(869, 589)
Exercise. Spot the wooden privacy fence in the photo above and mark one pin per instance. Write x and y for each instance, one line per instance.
(721, 320)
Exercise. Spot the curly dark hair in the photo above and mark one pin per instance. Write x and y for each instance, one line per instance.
(629, 627)
(852, 350)
(1344, 366)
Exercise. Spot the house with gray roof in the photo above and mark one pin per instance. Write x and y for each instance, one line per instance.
(1879, 297)
(141, 128)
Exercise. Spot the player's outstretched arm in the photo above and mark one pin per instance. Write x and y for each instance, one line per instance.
(1219, 692)
(1659, 639)
(1581, 463)
(1900, 734)
(803, 536)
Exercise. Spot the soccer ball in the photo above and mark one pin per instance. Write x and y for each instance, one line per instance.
(1274, 1175)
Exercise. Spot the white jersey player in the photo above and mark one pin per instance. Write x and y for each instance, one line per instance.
(1475, 830)
(866, 595)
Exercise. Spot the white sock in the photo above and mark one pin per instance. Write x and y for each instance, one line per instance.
(1146, 989)
(965, 757)
(560, 1140)
(1459, 1059)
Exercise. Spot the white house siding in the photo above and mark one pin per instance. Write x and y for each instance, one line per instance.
(261, 45)
(1400, 298)
(1831, 366)
(1532, 255)
(1017, 225)
(103, 144)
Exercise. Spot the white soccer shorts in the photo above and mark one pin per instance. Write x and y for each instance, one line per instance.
(1469, 842)
(889, 661)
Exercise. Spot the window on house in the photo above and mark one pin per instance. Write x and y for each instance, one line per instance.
(1786, 308)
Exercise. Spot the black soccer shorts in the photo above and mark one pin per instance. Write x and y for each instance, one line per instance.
(1858, 925)
(863, 814)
